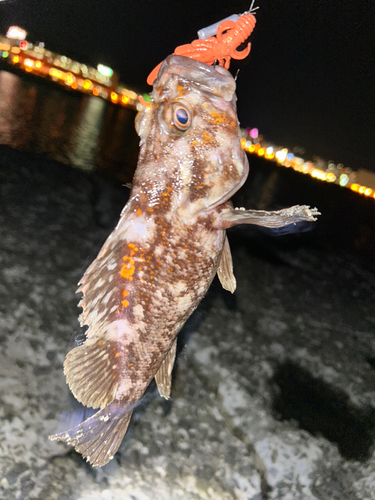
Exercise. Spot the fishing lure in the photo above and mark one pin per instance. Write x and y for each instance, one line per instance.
(231, 32)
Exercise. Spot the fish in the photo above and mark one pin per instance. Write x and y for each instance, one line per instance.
(168, 245)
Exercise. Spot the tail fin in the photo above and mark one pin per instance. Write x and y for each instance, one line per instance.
(99, 437)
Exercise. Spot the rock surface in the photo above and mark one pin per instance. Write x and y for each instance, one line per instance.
(274, 389)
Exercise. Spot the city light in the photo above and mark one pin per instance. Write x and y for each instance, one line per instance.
(307, 167)
(70, 78)
(321, 170)
(87, 84)
(344, 179)
(105, 70)
(16, 33)
(331, 177)
(281, 155)
(29, 64)
(269, 153)
(100, 81)
(57, 73)
(132, 95)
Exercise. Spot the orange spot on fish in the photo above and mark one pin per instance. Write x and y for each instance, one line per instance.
(117, 354)
(125, 293)
(218, 118)
(132, 246)
(100, 342)
(139, 211)
(128, 268)
(125, 303)
(207, 137)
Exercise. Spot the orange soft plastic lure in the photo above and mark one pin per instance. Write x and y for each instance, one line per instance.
(222, 47)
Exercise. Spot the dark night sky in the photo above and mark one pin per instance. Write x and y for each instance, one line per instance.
(309, 80)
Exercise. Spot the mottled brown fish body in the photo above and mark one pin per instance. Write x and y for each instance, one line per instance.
(159, 261)
(156, 284)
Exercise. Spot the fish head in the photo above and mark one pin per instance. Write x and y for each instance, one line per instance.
(189, 136)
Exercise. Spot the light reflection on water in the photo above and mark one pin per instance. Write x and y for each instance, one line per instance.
(80, 130)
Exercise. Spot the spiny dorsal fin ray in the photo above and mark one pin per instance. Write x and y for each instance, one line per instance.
(93, 372)
(99, 437)
(225, 269)
(163, 377)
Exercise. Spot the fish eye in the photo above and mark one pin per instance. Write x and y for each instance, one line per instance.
(181, 117)
(177, 117)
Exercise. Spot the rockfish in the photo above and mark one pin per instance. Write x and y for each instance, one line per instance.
(170, 241)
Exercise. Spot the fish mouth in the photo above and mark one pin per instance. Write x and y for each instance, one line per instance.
(213, 79)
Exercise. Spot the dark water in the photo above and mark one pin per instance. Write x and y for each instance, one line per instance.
(84, 131)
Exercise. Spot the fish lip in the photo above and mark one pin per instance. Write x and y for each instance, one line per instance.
(205, 77)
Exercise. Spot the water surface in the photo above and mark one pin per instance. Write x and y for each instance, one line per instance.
(84, 131)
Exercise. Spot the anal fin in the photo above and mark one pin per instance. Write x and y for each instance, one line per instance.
(225, 269)
(163, 377)
(99, 437)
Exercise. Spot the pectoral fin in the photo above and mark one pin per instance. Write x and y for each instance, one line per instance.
(163, 377)
(279, 218)
(225, 269)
